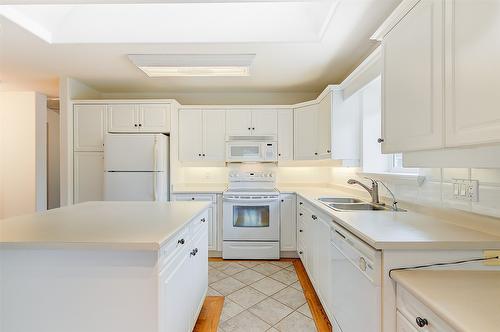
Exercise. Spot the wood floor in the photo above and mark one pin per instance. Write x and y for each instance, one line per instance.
(208, 320)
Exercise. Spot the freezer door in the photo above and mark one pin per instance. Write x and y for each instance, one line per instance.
(135, 186)
(135, 152)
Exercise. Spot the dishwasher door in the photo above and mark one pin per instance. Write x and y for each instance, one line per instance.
(355, 288)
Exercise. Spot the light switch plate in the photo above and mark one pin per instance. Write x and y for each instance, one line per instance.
(465, 190)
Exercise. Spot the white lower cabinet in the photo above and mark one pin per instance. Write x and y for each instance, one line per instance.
(212, 215)
(88, 176)
(288, 232)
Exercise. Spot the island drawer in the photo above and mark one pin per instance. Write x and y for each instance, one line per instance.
(413, 310)
(176, 244)
(199, 223)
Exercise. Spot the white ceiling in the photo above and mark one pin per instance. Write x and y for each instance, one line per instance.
(300, 46)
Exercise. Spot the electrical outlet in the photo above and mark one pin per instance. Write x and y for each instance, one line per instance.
(492, 253)
(465, 190)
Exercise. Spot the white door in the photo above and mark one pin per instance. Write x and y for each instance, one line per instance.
(265, 123)
(238, 122)
(214, 144)
(130, 186)
(322, 259)
(288, 223)
(472, 73)
(190, 135)
(88, 176)
(139, 153)
(285, 135)
(306, 133)
(89, 127)
(123, 118)
(154, 118)
(325, 127)
(412, 81)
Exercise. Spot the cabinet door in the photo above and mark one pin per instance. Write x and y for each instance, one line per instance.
(198, 275)
(214, 143)
(88, 176)
(123, 118)
(285, 135)
(265, 123)
(154, 118)
(288, 223)
(322, 259)
(190, 135)
(325, 127)
(89, 127)
(305, 133)
(238, 123)
(472, 73)
(412, 88)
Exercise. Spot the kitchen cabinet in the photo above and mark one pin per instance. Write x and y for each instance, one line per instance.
(285, 135)
(213, 228)
(89, 123)
(306, 132)
(412, 85)
(130, 118)
(88, 176)
(325, 127)
(262, 122)
(201, 135)
(288, 223)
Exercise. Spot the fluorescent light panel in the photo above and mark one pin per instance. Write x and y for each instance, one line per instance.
(168, 65)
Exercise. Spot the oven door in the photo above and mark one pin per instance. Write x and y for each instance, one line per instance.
(251, 218)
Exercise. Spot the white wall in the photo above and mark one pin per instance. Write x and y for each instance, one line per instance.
(23, 149)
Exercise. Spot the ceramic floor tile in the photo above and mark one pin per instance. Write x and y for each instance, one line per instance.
(291, 297)
(270, 311)
(227, 286)
(249, 263)
(247, 297)
(217, 264)
(268, 286)
(213, 292)
(232, 268)
(297, 286)
(296, 322)
(285, 276)
(281, 264)
(305, 310)
(266, 268)
(290, 268)
(272, 329)
(215, 275)
(245, 322)
(248, 276)
(230, 309)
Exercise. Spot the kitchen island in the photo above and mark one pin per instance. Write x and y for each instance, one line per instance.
(104, 266)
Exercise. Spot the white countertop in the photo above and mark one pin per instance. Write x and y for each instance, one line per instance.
(466, 300)
(141, 225)
(209, 188)
(398, 230)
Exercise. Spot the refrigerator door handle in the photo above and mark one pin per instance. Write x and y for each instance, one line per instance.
(155, 168)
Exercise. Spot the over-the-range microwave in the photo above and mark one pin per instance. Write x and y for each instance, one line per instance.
(251, 151)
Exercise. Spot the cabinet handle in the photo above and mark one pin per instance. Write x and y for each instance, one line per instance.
(282, 200)
(140, 125)
(253, 128)
(135, 125)
(314, 217)
(194, 252)
(300, 203)
(203, 220)
(421, 322)
(315, 153)
(380, 140)
(249, 128)
(181, 241)
(301, 214)
(199, 154)
(279, 154)
(203, 155)
(328, 151)
(300, 231)
(300, 252)
(192, 198)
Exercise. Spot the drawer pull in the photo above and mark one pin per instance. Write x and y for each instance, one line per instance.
(300, 231)
(300, 252)
(314, 217)
(203, 220)
(194, 252)
(301, 214)
(300, 203)
(421, 322)
(181, 241)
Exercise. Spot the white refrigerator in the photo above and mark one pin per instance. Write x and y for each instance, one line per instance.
(136, 167)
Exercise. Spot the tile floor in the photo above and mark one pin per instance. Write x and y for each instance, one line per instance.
(259, 296)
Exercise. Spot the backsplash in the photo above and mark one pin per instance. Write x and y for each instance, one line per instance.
(437, 188)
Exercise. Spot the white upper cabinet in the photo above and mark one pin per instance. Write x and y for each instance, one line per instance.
(472, 72)
(285, 134)
(89, 127)
(306, 132)
(130, 118)
(325, 127)
(201, 135)
(412, 85)
(251, 123)
(155, 118)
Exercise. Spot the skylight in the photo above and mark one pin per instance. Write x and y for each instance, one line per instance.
(176, 22)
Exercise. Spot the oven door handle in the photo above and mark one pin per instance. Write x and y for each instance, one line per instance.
(251, 200)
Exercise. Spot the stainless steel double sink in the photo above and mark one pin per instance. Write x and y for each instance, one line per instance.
(352, 204)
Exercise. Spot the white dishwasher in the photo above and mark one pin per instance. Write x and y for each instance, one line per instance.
(356, 296)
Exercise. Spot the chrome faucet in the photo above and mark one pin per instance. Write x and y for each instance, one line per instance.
(373, 191)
